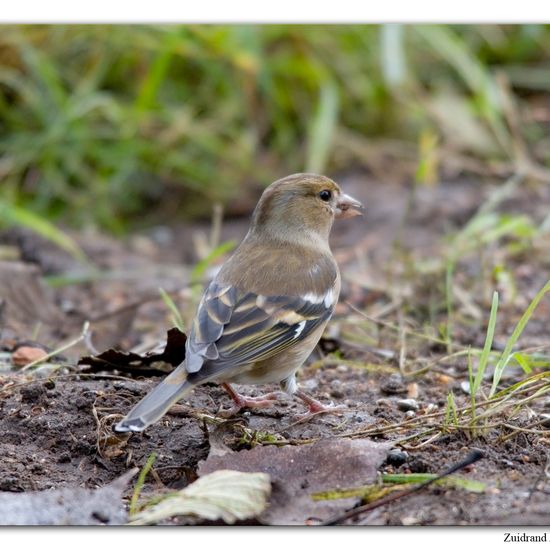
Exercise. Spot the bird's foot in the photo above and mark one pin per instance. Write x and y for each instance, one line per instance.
(243, 402)
(316, 408)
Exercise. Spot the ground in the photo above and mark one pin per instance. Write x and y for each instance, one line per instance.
(394, 352)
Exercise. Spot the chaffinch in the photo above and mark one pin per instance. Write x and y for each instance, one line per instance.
(266, 309)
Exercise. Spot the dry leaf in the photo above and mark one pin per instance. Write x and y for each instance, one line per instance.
(299, 471)
(225, 495)
(149, 364)
(67, 506)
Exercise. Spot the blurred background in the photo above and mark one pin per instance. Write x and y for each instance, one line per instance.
(131, 158)
(118, 127)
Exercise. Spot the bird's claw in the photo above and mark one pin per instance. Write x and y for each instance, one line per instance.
(242, 402)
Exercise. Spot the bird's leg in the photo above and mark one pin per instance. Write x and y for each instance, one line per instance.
(242, 402)
(316, 407)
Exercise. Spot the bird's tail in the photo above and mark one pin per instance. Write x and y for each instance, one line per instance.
(155, 404)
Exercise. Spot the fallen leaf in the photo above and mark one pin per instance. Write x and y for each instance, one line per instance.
(68, 506)
(225, 494)
(150, 364)
(297, 472)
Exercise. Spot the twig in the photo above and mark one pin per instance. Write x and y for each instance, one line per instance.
(473, 457)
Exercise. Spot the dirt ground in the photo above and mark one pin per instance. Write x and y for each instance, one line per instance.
(55, 421)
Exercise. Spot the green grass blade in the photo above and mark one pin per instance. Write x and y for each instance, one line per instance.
(140, 482)
(392, 54)
(200, 268)
(322, 129)
(449, 275)
(455, 481)
(176, 315)
(15, 215)
(507, 353)
(483, 360)
(157, 72)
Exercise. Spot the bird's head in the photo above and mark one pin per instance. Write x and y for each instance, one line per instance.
(302, 205)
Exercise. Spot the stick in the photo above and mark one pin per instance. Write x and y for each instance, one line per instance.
(474, 456)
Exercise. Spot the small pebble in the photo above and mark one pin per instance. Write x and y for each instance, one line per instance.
(397, 457)
(359, 417)
(443, 379)
(25, 355)
(408, 405)
(431, 407)
(342, 368)
(336, 389)
(410, 414)
(393, 385)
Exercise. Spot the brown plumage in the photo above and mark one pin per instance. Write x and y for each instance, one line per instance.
(265, 311)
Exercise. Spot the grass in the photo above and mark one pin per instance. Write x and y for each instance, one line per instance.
(118, 126)
(134, 506)
(176, 318)
(497, 406)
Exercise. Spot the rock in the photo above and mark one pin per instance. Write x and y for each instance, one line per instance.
(408, 405)
(24, 355)
(393, 385)
(397, 457)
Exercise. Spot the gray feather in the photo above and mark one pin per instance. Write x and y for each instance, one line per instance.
(155, 404)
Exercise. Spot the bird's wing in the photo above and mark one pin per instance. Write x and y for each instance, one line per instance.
(234, 328)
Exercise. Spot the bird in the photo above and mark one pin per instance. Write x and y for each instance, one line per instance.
(266, 309)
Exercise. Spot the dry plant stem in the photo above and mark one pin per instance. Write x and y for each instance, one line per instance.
(420, 419)
(61, 349)
(414, 436)
(472, 457)
(425, 442)
(518, 429)
(217, 219)
(402, 343)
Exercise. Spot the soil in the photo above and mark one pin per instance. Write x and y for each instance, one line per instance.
(55, 422)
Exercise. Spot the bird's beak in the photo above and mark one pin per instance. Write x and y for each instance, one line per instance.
(347, 207)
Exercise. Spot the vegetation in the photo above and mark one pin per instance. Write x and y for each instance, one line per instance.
(99, 122)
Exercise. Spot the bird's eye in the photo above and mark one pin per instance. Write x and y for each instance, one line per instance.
(325, 195)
